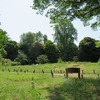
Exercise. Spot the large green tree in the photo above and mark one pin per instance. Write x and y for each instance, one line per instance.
(88, 50)
(85, 10)
(64, 36)
(31, 46)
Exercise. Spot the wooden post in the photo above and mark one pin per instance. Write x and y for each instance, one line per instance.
(52, 74)
(82, 71)
(34, 71)
(42, 71)
(82, 76)
(94, 71)
(78, 72)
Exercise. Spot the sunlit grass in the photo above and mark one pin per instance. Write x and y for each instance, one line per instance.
(21, 83)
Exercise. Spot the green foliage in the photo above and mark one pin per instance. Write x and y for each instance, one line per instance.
(60, 60)
(3, 41)
(98, 61)
(31, 45)
(35, 51)
(27, 39)
(97, 44)
(88, 50)
(77, 89)
(3, 38)
(39, 37)
(85, 10)
(12, 50)
(45, 38)
(51, 51)
(15, 63)
(42, 59)
(33, 83)
(75, 58)
(22, 58)
(6, 62)
(3, 52)
(64, 36)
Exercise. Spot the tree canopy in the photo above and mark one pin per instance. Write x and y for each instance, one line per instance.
(88, 50)
(85, 10)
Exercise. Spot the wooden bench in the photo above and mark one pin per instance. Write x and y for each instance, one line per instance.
(72, 70)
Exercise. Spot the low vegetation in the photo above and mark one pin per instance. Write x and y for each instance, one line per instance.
(35, 82)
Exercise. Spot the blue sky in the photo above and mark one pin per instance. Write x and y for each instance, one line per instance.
(17, 17)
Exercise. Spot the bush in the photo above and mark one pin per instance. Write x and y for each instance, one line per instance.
(75, 58)
(98, 61)
(22, 58)
(42, 59)
(60, 60)
(6, 62)
(15, 63)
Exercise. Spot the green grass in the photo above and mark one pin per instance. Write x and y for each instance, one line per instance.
(26, 85)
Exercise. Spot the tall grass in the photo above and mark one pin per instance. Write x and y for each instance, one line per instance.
(21, 83)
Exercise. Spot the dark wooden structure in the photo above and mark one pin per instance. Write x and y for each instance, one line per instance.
(72, 70)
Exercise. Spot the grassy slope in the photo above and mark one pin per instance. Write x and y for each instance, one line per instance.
(38, 86)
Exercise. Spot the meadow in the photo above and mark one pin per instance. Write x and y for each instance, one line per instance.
(35, 82)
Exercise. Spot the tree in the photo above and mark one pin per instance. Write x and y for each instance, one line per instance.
(3, 41)
(45, 38)
(12, 50)
(31, 46)
(88, 50)
(39, 37)
(64, 36)
(85, 10)
(26, 42)
(51, 51)
(27, 39)
(97, 43)
(36, 50)
(3, 38)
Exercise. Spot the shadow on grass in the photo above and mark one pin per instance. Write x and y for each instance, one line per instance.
(76, 89)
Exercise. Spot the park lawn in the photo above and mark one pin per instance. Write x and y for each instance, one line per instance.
(24, 84)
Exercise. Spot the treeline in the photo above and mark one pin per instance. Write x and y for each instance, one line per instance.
(37, 48)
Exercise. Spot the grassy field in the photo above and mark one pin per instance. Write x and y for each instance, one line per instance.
(35, 82)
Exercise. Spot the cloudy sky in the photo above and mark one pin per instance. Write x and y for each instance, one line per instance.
(17, 17)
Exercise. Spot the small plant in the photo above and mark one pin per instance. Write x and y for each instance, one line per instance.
(38, 96)
(33, 83)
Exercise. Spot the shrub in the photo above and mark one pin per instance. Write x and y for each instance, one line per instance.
(98, 61)
(6, 62)
(60, 60)
(42, 59)
(15, 63)
(75, 58)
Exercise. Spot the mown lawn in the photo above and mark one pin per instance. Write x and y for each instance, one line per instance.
(23, 83)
